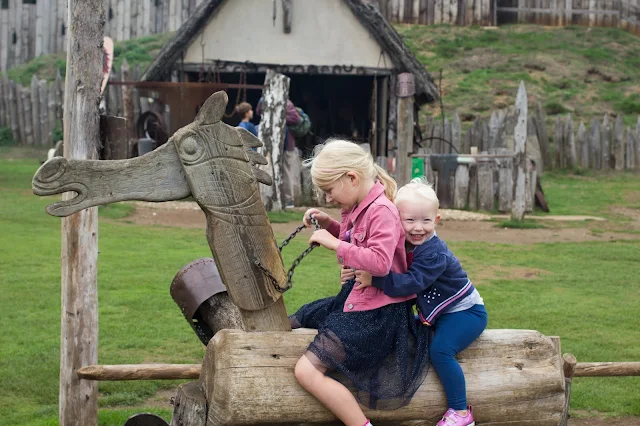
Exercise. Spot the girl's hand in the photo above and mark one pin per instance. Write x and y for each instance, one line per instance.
(323, 219)
(363, 280)
(346, 274)
(325, 239)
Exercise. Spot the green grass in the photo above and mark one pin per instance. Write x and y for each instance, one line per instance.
(592, 193)
(585, 71)
(139, 51)
(584, 292)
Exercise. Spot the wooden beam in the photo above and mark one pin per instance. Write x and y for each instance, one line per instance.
(517, 211)
(607, 369)
(139, 372)
(79, 334)
(405, 92)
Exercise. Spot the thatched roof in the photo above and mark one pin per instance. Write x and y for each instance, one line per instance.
(402, 58)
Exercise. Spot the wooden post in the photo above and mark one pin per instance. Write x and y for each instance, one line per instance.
(45, 132)
(594, 145)
(405, 92)
(127, 100)
(485, 184)
(272, 134)
(461, 189)
(35, 110)
(568, 368)
(629, 161)
(520, 159)
(505, 185)
(543, 138)
(617, 148)
(13, 108)
(582, 146)
(79, 334)
(569, 144)
(637, 144)
(558, 143)
(190, 407)
(605, 139)
(456, 134)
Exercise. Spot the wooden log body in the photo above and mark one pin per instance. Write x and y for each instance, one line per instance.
(513, 377)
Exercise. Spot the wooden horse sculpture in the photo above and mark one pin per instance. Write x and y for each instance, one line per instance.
(514, 377)
(214, 163)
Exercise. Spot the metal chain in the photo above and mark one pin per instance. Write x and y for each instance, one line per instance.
(296, 262)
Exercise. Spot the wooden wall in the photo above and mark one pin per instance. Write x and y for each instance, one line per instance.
(30, 30)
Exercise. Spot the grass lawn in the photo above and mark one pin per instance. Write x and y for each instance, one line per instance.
(586, 293)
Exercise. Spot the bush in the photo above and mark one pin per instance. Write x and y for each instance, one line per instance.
(6, 137)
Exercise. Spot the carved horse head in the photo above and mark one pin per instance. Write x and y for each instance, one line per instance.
(212, 162)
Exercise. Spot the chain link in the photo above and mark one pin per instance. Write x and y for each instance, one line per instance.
(296, 262)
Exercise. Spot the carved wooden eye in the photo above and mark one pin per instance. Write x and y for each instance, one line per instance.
(52, 170)
(191, 150)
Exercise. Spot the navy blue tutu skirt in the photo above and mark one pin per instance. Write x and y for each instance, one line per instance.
(382, 355)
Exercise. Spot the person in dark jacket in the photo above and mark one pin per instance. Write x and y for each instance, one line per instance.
(447, 300)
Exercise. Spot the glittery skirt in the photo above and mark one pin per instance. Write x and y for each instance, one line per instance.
(381, 355)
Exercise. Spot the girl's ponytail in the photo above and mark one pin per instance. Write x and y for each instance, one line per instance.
(390, 185)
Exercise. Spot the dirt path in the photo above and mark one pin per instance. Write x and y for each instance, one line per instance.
(473, 227)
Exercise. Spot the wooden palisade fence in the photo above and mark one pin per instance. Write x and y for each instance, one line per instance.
(485, 172)
(28, 30)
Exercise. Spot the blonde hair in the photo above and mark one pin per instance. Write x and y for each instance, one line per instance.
(336, 157)
(418, 188)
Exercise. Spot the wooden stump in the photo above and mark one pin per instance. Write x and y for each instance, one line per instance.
(514, 377)
(189, 406)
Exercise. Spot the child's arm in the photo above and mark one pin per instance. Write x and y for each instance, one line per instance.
(422, 273)
(382, 239)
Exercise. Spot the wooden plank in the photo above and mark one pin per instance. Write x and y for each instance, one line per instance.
(446, 11)
(485, 185)
(5, 40)
(405, 135)
(15, 31)
(39, 28)
(446, 135)
(52, 17)
(605, 139)
(637, 144)
(416, 11)
(28, 117)
(79, 333)
(530, 187)
(477, 12)
(456, 134)
(473, 187)
(582, 146)
(607, 369)
(487, 19)
(423, 17)
(44, 130)
(617, 148)
(558, 143)
(543, 137)
(20, 104)
(431, 12)
(51, 111)
(3, 96)
(467, 142)
(461, 188)
(35, 110)
(520, 159)
(594, 145)
(31, 32)
(629, 154)
(569, 143)
(505, 184)
(166, 15)
(437, 18)
(14, 107)
(61, 26)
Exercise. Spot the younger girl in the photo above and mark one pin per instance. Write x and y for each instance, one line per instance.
(447, 300)
(370, 338)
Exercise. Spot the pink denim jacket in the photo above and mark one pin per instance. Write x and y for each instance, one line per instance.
(377, 246)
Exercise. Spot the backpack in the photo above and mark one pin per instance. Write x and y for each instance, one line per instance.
(302, 128)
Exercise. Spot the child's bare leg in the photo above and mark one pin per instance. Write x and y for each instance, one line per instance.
(329, 392)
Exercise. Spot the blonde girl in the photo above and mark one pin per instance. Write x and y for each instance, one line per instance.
(370, 338)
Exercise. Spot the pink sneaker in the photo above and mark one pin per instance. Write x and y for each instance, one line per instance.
(452, 418)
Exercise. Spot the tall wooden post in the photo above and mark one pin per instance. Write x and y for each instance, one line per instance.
(520, 160)
(272, 134)
(79, 333)
(405, 92)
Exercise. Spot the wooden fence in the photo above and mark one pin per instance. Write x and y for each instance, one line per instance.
(33, 113)
(28, 30)
(602, 13)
